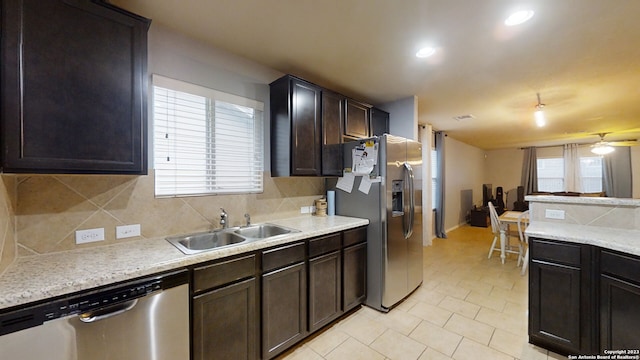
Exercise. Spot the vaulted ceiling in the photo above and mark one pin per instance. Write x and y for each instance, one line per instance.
(581, 56)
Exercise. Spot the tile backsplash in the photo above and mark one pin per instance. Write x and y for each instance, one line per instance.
(50, 208)
(7, 221)
(602, 215)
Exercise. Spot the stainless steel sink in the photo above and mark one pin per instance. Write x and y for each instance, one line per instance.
(263, 231)
(206, 241)
(199, 242)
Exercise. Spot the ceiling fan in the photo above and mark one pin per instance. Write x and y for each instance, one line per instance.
(605, 147)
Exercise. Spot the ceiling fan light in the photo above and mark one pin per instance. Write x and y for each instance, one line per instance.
(540, 118)
(425, 52)
(602, 149)
(519, 17)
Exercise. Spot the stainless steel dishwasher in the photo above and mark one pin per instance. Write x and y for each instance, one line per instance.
(145, 319)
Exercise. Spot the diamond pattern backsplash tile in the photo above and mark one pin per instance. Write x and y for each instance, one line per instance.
(50, 208)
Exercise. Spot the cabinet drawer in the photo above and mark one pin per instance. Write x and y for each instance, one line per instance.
(555, 252)
(620, 265)
(225, 272)
(282, 256)
(323, 245)
(354, 236)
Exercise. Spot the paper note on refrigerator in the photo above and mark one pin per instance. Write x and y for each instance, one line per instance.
(364, 158)
(345, 183)
(365, 185)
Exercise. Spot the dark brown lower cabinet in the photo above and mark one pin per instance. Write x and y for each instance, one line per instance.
(225, 325)
(225, 321)
(354, 275)
(560, 297)
(284, 308)
(619, 301)
(324, 289)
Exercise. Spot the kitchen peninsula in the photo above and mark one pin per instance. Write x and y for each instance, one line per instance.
(584, 280)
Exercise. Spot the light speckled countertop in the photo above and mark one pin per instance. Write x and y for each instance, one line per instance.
(39, 277)
(624, 240)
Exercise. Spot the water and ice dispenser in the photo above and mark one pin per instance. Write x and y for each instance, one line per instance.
(397, 203)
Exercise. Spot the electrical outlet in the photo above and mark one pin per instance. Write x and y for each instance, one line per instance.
(305, 210)
(89, 235)
(554, 214)
(127, 231)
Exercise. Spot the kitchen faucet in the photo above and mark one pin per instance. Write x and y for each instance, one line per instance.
(224, 219)
(248, 218)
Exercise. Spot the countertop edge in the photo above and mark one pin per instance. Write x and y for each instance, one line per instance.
(623, 240)
(37, 278)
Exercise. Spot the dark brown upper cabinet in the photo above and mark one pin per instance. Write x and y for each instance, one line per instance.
(356, 121)
(74, 88)
(332, 124)
(296, 127)
(379, 122)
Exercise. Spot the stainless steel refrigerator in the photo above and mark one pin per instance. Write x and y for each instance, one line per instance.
(394, 208)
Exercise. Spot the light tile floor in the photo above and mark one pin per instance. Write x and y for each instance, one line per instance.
(468, 307)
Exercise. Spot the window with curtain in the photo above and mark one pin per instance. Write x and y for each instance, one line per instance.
(551, 174)
(205, 141)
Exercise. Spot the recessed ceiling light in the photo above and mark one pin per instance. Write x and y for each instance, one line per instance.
(519, 17)
(425, 52)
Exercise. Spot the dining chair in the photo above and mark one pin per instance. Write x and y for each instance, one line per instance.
(523, 222)
(499, 229)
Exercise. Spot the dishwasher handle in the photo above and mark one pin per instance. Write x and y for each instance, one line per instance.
(107, 312)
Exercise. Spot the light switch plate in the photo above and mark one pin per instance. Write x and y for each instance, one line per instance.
(554, 214)
(127, 231)
(89, 235)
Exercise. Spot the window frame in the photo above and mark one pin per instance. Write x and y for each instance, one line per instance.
(220, 110)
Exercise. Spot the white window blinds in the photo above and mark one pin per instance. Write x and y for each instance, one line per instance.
(205, 141)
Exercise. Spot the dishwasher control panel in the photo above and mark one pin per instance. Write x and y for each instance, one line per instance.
(82, 304)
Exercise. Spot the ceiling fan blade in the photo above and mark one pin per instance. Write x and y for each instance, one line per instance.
(631, 142)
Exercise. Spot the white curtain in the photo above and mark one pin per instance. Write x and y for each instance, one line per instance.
(572, 181)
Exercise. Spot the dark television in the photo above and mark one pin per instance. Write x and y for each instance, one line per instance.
(487, 194)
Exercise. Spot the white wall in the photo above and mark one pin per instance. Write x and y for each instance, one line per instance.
(179, 57)
(464, 170)
(403, 117)
(503, 168)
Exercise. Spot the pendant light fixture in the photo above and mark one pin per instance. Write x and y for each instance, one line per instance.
(539, 114)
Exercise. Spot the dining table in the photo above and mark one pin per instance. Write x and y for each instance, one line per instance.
(509, 217)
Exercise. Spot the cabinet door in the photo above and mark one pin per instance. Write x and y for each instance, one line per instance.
(284, 309)
(356, 122)
(354, 275)
(560, 305)
(324, 290)
(306, 128)
(225, 323)
(619, 299)
(74, 87)
(332, 122)
(379, 122)
(619, 314)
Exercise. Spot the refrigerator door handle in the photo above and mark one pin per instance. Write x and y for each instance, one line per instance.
(408, 228)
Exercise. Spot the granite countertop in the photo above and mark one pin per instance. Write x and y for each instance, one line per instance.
(624, 240)
(586, 200)
(40, 277)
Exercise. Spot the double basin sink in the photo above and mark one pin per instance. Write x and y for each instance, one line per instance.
(205, 241)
